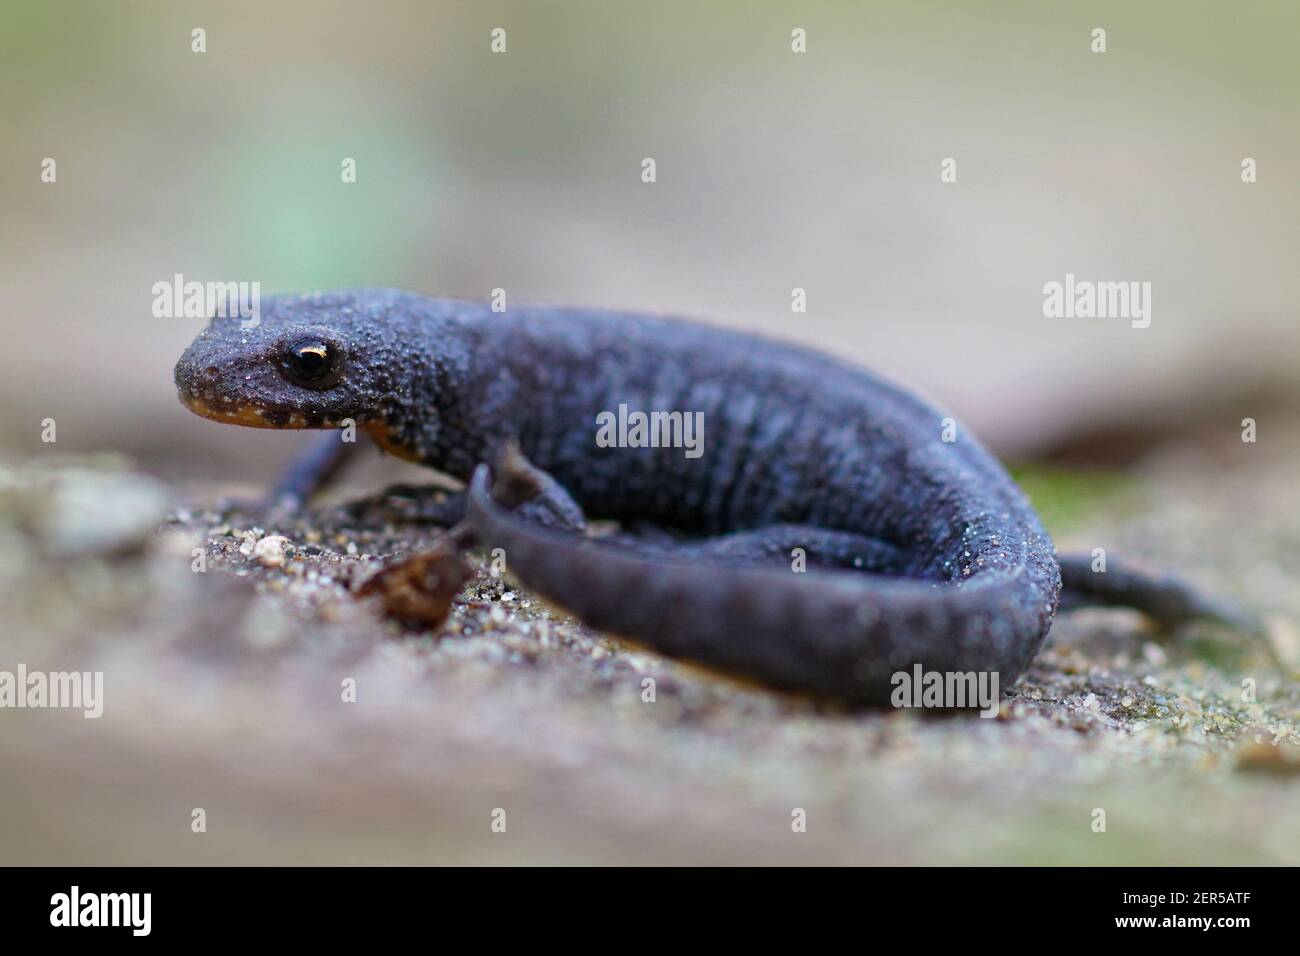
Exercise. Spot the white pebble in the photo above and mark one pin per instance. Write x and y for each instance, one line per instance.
(270, 550)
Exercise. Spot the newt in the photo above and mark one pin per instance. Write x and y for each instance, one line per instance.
(915, 550)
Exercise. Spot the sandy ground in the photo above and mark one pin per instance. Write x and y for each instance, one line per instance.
(224, 691)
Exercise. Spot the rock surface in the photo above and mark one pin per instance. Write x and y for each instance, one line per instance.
(243, 678)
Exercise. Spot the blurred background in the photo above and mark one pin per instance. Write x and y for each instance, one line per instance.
(775, 170)
(522, 170)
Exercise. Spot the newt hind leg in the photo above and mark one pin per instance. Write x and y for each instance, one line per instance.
(539, 498)
(1167, 599)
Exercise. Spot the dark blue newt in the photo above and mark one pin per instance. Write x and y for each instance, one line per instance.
(919, 551)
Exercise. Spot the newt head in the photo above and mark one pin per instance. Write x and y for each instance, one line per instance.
(311, 362)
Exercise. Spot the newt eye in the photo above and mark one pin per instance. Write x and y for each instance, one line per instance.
(311, 363)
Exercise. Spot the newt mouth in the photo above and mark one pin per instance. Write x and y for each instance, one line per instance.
(250, 416)
(255, 416)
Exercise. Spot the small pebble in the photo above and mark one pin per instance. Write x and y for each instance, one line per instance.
(270, 550)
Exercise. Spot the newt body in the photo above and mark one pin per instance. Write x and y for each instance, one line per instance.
(919, 551)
